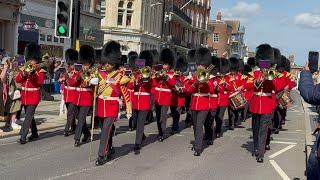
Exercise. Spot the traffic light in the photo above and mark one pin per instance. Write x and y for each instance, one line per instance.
(63, 18)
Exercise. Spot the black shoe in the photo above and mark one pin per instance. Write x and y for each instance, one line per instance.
(231, 128)
(174, 132)
(33, 138)
(111, 150)
(218, 135)
(276, 131)
(209, 142)
(131, 129)
(85, 138)
(196, 153)
(101, 160)
(268, 147)
(137, 149)
(77, 143)
(160, 138)
(66, 134)
(20, 141)
(255, 154)
(260, 160)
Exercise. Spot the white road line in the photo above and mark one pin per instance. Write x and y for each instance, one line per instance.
(283, 142)
(281, 151)
(279, 170)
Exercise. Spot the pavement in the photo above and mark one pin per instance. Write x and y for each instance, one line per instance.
(53, 156)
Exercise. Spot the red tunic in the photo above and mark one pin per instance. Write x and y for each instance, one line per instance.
(108, 101)
(262, 101)
(163, 92)
(178, 98)
(30, 94)
(70, 87)
(83, 93)
(224, 89)
(214, 98)
(248, 86)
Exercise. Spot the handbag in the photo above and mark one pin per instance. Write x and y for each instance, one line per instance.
(16, 95)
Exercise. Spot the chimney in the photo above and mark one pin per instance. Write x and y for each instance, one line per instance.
(219, 16)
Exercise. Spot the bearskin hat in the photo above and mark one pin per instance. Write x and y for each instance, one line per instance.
(247, 69)
(132, 56)
(167, 57)
(111, 53)
(203, 56)
(86, 54)
(282, 63)
(147, 55)
(124, 59)
(190, 56)
(181, 64)
(264, 52)
(224, 66)
(241, 65)
(234, 64)
(32, 51)
(251, 62)
(155, 55)
(288, 65)
(216, 63)
(71, 56)
(277, 56)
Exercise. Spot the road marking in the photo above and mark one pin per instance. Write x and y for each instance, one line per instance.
(283, 142)
(281, 151)
(279, 170)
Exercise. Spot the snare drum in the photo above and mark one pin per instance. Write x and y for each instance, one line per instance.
(237, 100)
(284, 99)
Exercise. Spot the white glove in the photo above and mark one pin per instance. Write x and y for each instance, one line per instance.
(94, 81)
(129, 116)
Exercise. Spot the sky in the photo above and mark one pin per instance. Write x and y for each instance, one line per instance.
(293, 26)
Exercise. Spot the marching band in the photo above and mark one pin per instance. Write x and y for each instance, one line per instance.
(202, 85)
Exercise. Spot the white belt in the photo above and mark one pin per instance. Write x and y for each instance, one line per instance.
(70, 88)
(109, 98)
(130, 90)
(200, 94)
(163, 90)
(213, 95)
(30, 89)
(142, 93)
(83, 89)
(262, 94)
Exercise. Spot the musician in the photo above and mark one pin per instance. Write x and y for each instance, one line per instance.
(178, 98)
(235, 85)
(83, 93)
(69, 91)
(213, 100)
(200, 88)
(263, 87)
(30, 77)
(165, 82)
(141, 85)
(223, 94)
(111, 84)
(188, 120)
(132, 56)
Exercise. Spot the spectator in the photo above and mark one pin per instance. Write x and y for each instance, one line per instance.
(58, 70)
(3, 72)
(12, 103)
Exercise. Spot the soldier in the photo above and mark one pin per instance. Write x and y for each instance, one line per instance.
(223, 94)
(30, 77)
(69, 90)
(263, 87)
(111, 84)
(141, 99)
(188, 120)
(84, 93)
(163, 95)
(132, 56)
(200, 88)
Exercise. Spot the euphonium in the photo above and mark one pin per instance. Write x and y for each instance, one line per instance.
(145, 72)
(202, 75)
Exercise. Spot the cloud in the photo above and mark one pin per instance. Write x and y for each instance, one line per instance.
(308, 20)
(241, 11)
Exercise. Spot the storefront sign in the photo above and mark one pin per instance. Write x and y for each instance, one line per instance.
(29, 25)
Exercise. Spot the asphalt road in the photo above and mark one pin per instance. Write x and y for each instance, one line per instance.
(55, 157)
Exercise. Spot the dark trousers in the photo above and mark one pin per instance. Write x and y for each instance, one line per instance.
(29, 122)
(260, 125)
(277, 118)
(141, 119)
(133, 122)
(198, 119)
(187, 106)
(219, 119)
(175, 111)
(233, 117)
(82, 124)
(161, 115)
(71, 117)
(208, 124)
(244, 111)
(106, 136)
(283, 113)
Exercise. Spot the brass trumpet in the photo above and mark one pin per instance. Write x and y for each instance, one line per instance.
(202, 75)
(146, 72)
(270, 74)
(28, 67)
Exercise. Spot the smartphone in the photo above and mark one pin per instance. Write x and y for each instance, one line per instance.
(128, 72)
(313, 61)
(265, 64)
(140, 63)
(192, 67)
(78, 67)
(158, 67)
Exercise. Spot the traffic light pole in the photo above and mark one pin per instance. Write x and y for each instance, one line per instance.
(75, 25)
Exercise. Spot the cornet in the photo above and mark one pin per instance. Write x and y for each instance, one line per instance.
(28, 67)
(146, 72)
(202, 75)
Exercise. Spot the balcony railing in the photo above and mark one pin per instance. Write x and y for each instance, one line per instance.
(181, 14)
